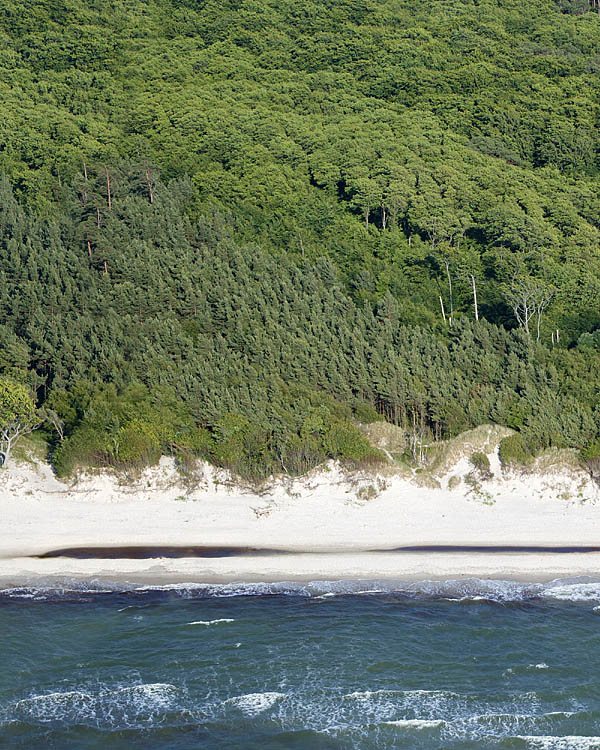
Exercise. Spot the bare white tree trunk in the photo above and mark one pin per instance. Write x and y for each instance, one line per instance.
(542, 304)
(6, 444)
(442, 306)
(447, 265)
(9, 434)
(475, 297)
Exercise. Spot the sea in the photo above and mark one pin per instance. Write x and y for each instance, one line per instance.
(316, 666)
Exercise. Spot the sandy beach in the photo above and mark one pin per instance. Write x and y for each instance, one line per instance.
(331, 525)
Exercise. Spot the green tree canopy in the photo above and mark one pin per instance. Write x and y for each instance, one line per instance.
(18, 416)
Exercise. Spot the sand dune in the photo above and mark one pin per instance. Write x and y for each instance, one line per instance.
(331, 521)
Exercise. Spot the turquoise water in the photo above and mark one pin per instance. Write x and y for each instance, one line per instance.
(324, 665)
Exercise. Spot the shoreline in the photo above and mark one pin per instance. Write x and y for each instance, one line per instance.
(306, 567)
(329, 526)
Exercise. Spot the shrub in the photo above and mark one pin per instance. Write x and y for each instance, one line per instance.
(589, 340)
(85, 447)
(345, 441)
(137, 445)
(133, 446)
(481, 465)
(454, 482)
(365, 413)
(242, 448)
(591, 456)
(196, 441)
(515, 451)
(301, 454)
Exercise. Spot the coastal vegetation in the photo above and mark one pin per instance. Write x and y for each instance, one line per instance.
(240, 230)
(17, 416)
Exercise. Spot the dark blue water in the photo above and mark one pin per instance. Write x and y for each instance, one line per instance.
(475, 664)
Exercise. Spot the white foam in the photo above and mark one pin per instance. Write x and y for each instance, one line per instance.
(573, 592)
(568, 742)
(565, 714)
(416, 723)
(51, 707)
(542, 665)
(211, 622)
(255, 703)
(153, 696)
(369, 694)
(473, 589)
(129, 706)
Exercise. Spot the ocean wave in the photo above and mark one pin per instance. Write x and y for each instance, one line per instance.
(130, 707)
(573, 591)
(211, 622)
(570, 742)
(459, 716)
(452, 716)
(254, 703)
(416, 723)
(62, 589)
(369, 695)
(474, 590)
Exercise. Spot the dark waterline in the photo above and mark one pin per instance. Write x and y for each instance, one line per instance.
(149, 552)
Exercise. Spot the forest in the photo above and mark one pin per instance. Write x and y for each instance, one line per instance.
(236, 230)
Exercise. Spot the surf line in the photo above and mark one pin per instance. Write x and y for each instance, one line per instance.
(149, 552)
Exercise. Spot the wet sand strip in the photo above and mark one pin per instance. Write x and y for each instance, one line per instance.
(150, 552)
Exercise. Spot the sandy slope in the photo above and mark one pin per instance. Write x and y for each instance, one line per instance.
(325, 513)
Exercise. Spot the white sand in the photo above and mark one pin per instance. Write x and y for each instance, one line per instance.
(326, 515)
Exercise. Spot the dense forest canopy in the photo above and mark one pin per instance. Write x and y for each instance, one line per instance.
(234, 229)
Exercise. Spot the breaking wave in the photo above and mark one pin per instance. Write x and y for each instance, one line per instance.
(133, 706)
(583, 589)
(571, 742)
(416, 723)
(255, 703)
(451, 715)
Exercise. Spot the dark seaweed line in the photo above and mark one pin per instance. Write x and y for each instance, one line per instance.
(149, 552)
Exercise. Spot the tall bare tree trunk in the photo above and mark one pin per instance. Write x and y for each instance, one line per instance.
(442, 306)
(149, 184)
(447, 264)
(108, 195)
(85, 177)
(475, 297)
